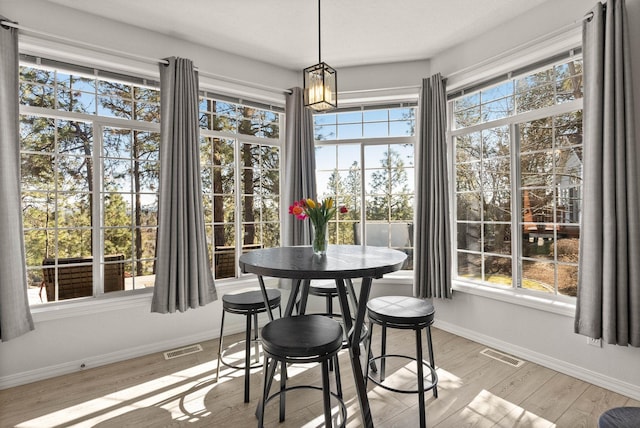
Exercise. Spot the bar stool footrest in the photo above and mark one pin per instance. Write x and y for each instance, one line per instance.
(343, 407)
(257, 365)
(427, 387)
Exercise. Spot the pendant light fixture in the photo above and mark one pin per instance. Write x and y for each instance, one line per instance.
(320, 82)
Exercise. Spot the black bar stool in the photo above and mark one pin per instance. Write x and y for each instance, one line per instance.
(302, 339)
(404, 312)
(329, 291)
(250, 304)
(620, 417)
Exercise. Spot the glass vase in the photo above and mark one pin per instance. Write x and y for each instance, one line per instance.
(320, 239)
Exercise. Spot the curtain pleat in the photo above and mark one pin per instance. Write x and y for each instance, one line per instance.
(300, 166)
(15, 316)
(608, 304)
(183, 275)
(432, 248)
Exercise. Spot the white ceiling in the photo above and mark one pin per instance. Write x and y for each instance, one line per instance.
(285, 32)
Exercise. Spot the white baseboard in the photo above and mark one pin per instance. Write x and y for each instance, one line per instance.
(612, 384)
(232, 326)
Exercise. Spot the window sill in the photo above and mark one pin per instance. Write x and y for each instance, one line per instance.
(557, 305)
(116, 301)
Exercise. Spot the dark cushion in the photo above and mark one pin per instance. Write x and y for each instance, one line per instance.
(620, 417)
(323, 288)
(302, 336)
(250, 300)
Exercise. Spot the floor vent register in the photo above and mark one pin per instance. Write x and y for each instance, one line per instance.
(181, 352)
(500, 356)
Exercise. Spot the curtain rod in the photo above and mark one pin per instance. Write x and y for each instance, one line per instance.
(137, 57)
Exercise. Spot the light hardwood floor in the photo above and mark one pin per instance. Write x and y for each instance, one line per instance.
(474, 391)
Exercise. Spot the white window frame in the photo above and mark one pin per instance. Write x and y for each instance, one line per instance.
(554, 303)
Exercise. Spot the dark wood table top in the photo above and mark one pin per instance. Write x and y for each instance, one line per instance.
(340, 262)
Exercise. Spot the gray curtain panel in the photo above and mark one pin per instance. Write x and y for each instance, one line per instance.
(15, 316)
(183, 275)
(608, 304)
(300, 167)
(432, 245)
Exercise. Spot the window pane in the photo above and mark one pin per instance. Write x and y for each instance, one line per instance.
(497, 109)
(537, 169)
(468, 176)
(466, 102)
(74, 210)
(498, 270)
(536, 135)
(348, 156)
(496, 174)
(349, 131)
(74, 242)
(351, 117)
(496, 142)
(497, 205)
(469, 266)
(468, 206)
(469, 236)
(401, 129)
(497, 238)
(496, 92)
(324, 119)
(325, 132)
(468, 147)
(464, 118)
(378, 129)
(538, 276)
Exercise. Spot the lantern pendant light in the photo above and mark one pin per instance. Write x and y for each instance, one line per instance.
(320, 82)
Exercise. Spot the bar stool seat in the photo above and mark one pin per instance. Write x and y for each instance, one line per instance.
(329, 291)
(302, 339)
(404, 312)
(620, 417)
(248, 303)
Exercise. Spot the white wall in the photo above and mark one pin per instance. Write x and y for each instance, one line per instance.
(96, 334)
(538, 335)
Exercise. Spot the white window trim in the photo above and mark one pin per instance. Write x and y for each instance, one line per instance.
(119, 300)
(557, 304)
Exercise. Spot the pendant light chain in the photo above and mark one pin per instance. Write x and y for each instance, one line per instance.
(319, 35)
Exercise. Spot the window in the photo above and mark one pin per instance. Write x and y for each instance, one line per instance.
(89, 161)
(90, 175)
(240, 159)
(518, 179)
(365, 160)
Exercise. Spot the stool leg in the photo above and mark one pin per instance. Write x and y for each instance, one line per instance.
(256, 346)
(337, 374)
(383, 360)
(220, 345)
(329, 309)
(370, 364)
(420, 377)
(431, 360)
(247, 358)
(326, 398)
(283, 385)
(266, 387)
